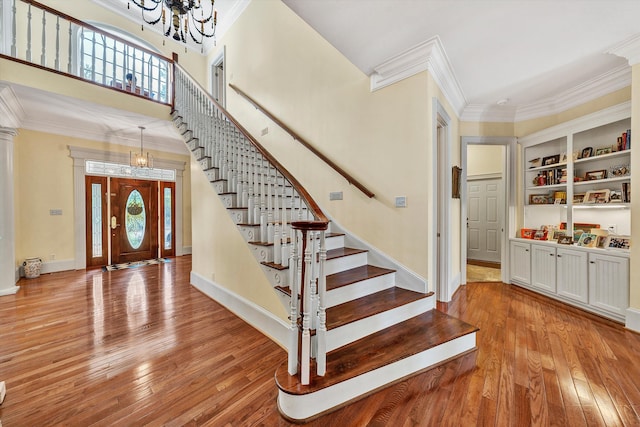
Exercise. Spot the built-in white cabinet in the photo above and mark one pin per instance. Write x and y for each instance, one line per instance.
(521, 262)
(609, 283)
(592, 279)
(543, 273)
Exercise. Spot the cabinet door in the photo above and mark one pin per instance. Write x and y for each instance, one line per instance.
(543, 268)
(571, 278)
(609, 283)
(521, 263)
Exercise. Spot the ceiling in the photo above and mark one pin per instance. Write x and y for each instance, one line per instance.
(527, 52)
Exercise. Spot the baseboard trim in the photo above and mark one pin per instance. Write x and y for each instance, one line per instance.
(633, 319)
(186, 250)
(264, 321)
(60, 265)
(9, 291)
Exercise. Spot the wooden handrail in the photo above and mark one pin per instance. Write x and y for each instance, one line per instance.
(321, 221)
(295, 136)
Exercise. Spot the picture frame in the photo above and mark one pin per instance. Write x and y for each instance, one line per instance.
(597, 196)
(586, 152)
(551, 160)
(563, 239)
(619, 170)
(587, 240)
(577, 234)
(615, 196)
(595, 175)
(538, 199)
(618, 243)
(603, 150)
(535, 163)
(455, 182)
(584, 226)
(556, 235)
(578, 197)
(540, 235)
(576, 155)
(601, 241)
(527, 233)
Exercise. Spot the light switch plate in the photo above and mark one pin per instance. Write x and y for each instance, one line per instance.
(337, 195)
(401, 202)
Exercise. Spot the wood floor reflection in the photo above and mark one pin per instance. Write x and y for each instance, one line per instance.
(143, 347)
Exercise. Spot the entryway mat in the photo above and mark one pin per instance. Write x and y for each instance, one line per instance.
(134, 264)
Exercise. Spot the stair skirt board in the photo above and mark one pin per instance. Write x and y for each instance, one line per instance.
(304, 407)
(354, 331)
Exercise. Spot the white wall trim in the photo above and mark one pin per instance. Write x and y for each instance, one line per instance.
(53, 266)
(186, 250)
(11, 112)
(629, 49)
(484, 176)
(261, 319)
(454, 283)
(426, 56)
(633, 319)
(9, 291)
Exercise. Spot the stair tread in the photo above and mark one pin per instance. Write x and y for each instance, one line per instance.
(353, 275)
(370, 305)
(390, 345)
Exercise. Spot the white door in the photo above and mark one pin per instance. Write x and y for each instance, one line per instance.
(484, 220)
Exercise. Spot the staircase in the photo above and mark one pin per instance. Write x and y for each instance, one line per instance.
(359, 320)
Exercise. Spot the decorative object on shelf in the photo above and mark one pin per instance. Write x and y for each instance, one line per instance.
(576, 155)
(618, 242)
(601, 241)
(198, 19)
(32, 267)
(626, 192)
(615, 196)
(578, 197)
(584, 226)
(551, 160)
(557, 234)
(564, 239)
(597, 196)
(140, 160)
(539, 199)
(527, 233)
(595, 175)
(535, 163)
(619, 170)
(624, 141)
(563, 157)
(540, 235)
(540, 180)
(559, 197)
(577, 234)
(587, 240)
(455, 182)
(603, 150)
(586, 152)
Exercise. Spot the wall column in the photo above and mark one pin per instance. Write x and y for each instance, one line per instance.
(7, 220)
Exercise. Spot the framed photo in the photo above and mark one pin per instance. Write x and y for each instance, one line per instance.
(563, 239)
(618, 243)
(527, 233)
(538, 199)
(601, 241)
(551, 160)
(578, 197)
(540, 235)
(455, 182)
(597, 196)
(615, 196)
(619, 170)
(577, 234)
(556, 235)
(593, 175)
(603, 150)
(587, 240)
(586, 152)
(537, 162)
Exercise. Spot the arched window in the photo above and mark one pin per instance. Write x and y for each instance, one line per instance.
(110, 62)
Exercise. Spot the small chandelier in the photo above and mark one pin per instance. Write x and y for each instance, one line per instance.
(140, 160)
(190, 17)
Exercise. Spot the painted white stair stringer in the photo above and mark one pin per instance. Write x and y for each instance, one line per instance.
(305, 406)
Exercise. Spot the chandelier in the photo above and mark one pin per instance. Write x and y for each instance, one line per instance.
(140, 160)
(188, 17)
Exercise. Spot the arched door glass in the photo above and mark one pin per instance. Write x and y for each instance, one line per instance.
(135, 219)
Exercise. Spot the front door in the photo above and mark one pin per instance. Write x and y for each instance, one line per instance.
(484, 220)
(134, 220)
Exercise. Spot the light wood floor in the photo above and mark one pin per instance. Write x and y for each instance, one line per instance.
(142, 347)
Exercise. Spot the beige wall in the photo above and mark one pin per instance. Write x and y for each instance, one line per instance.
(634, 293)
(381, 138)
(484, 159)
(44, 180)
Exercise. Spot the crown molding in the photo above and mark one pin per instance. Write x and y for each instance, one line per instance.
(11, 112)
(426, 56)
(606, 83)
(628, 49)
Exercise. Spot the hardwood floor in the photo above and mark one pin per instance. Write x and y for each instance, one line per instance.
(143, 347)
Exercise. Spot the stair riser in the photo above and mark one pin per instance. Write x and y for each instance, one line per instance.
(212, 174)
(238, 216)
(205, 163)
(304, 406)
(354, 331)
(360, 289)
(334, 242)
(193, 145)
(278, 278)
(219, 186)
(228, 200)
(198, 152)
(249, 233)
(336, 265)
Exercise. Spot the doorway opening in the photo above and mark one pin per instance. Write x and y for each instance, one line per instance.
(218, 79)
(128, 220)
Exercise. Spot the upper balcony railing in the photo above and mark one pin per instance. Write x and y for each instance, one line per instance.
(37, 35)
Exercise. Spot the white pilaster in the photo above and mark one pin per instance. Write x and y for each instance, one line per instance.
(7, 220)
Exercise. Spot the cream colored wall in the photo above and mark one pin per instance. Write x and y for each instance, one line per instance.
(382, 138)
(44, 180)
(634, 273)
(484, 159)
(487, 129)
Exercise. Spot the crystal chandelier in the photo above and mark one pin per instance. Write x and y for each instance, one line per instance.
(193, 17)
(140, 160)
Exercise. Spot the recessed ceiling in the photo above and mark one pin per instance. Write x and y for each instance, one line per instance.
(525, 51)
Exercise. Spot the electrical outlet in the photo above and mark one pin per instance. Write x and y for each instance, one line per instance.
(337, 195)
(53, 212)
(401, 202)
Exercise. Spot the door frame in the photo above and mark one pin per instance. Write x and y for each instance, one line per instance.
(80, 155)
(510, 187)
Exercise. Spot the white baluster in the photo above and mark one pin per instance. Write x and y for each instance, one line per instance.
(43, 55)
(14, 51)
(269, 207)
(250, 200)
(305, 357)
(263, 209)
(293, 311)
(29, 34)
(283, 232)
(277, 239)
(321, 332)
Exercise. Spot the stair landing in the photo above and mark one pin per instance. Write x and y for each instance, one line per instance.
(376, 361)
